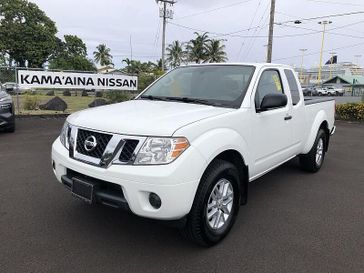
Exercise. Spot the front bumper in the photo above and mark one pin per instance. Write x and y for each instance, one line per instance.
(7, 117)
(174, 183)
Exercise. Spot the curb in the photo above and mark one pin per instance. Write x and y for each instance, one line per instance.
(46, 116)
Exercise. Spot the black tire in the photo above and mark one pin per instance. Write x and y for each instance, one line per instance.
(308, 161)
(11, 128)
(197, 228)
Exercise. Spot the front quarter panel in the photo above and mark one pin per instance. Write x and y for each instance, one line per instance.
(216, 135)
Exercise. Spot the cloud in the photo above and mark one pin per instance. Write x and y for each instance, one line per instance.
(113, 22)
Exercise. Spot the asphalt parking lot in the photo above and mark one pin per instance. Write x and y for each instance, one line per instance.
(294, 221)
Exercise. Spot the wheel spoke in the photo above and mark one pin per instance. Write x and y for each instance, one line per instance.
(217, 219)
(211, 205)
(212, 213)
(227, 201)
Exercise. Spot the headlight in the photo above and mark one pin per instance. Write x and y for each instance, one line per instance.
(161, 150)
(64, 136)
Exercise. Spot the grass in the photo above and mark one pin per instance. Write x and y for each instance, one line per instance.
(75, 103)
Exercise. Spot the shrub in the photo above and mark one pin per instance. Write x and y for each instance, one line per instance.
(145, 80)
(66, 93)
(350, 111)
(30, 102)
(362, 98)
(99, 94)
(117, 96)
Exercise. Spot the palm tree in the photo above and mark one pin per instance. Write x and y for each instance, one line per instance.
(175, 54)
(102, 55)
(196, 48)
(136, 67)
(215, 52)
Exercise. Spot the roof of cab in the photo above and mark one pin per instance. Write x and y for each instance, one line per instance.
(250, 64)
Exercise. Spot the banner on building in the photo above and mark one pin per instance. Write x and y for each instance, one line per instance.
(72, 80)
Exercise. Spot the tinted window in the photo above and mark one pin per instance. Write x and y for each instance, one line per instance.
(220, 84)
(269, 83)
(295, 93)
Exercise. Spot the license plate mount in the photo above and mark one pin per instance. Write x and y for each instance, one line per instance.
(83, 190)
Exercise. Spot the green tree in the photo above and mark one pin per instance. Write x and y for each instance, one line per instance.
(136, 67)
(71, 55)
(102, 55)
(215, 52)
(175, 54)
(27, 34)
(3, 61)
(197, 48)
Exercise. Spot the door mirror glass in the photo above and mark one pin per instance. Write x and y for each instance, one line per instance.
(273, 100)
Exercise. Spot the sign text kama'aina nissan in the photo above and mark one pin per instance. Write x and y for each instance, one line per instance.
(47, 79)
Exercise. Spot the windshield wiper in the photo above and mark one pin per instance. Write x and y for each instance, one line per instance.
(150, 97)
(190, 100)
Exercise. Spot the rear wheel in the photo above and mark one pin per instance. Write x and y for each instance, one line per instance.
(313, 161)
(215, 206)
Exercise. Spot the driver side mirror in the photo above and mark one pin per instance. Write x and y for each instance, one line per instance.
(271, 101)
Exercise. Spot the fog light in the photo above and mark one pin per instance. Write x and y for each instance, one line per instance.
(54, 165)
(155, 200)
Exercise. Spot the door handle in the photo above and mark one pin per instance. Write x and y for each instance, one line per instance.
(288, 117)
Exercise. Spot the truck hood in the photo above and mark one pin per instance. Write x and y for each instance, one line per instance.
(144, 117)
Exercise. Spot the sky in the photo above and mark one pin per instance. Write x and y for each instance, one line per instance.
(127, 26)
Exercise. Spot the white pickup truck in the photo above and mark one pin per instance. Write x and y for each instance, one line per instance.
(188, 146)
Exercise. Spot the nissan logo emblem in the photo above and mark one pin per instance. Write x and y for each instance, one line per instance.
(90, 143)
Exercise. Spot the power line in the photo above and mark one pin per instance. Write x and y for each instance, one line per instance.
(250, 25)
(318, 52)
(260, 29)
(217, 34)
(335, 3)
(330, 30)
(212, 10)
(323, 17)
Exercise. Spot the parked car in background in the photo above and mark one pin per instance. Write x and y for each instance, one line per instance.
(13, 88)
(10, 87)
(309, 91)
(335, 91)
(322, 91)
(7, 115)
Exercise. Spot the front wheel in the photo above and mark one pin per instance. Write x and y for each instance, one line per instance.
(312, 162)
(215, 206)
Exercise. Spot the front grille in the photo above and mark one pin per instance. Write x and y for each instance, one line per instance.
(101, 139)
(128, 150)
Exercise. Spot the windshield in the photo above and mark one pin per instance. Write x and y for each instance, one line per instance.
(219, 85)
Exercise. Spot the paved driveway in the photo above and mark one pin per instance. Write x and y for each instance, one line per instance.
(294, 221)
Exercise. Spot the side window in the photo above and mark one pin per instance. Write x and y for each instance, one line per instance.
(269, 82)
(295, 93)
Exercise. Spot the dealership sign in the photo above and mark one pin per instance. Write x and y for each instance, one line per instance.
(47, 79)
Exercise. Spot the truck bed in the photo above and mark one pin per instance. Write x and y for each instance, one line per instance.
(309, 101)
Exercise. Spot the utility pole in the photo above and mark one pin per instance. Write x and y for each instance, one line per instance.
(271, 26)
(165, 14)
(303, 50)
(323, 23)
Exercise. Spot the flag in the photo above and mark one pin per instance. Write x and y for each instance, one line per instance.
(332, 60)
